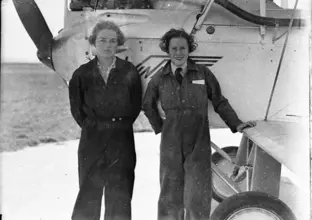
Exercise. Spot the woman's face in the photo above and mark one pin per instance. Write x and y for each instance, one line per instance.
(106, 43)
(178, 51)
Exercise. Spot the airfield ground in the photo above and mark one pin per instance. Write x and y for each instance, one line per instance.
(41, 183)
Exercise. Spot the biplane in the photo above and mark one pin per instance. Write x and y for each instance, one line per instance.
(258, 52)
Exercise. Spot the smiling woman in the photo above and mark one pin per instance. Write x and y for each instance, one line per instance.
(183, 88)
(179, 47)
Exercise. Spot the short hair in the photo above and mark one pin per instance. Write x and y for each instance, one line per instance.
(176, 33)
(102, 25)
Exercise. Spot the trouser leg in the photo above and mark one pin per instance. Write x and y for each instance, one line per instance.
(197, 194)
(89, 199)
(88, 203)
(118, 194)
(170, 203)
(197, 166)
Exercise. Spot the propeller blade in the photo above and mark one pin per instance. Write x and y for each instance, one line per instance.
(37, 28)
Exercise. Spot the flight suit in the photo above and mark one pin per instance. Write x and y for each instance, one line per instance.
(106, 153)
(185, 153)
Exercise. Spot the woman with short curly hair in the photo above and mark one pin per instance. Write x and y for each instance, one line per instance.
(177, 33)
(108, 26)
(183, 88)
(105, 99)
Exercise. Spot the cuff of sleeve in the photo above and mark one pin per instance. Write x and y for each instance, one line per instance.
(157, 127)
(233, 126)
(80, 122)
(157, 131)
(155, 120)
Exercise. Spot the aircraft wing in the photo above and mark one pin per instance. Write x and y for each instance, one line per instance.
(287, 142)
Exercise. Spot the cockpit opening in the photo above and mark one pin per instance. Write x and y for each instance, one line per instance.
(78, 5)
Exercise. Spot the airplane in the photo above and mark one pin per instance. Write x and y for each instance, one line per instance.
(257, 51)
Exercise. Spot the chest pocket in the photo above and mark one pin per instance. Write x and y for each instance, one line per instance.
(195, 95)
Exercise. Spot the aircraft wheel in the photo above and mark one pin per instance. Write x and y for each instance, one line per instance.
(252, 206)
(220, 190)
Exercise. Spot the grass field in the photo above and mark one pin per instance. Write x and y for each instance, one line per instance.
(35, 108)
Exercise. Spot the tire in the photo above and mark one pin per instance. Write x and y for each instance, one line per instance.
(220, 190)
(252, 205)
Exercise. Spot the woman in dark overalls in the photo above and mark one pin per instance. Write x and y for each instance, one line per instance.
(105, 99)
(183, 89)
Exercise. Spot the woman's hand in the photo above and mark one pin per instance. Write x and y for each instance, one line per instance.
(245, 125)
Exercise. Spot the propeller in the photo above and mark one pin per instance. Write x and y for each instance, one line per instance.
(37, 28)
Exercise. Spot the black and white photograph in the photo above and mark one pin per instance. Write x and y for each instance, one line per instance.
(155, 110)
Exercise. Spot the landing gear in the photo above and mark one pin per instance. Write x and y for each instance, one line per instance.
(220, 189)
(252, 206)
(246, 182)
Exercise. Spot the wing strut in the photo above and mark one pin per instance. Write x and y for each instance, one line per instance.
(202, 16)
(280, 61)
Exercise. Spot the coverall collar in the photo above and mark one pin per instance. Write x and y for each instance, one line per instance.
(118, 62)
(191, 65)
(183, 67)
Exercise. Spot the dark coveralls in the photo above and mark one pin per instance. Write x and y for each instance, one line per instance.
(106, 153)
(185, 153)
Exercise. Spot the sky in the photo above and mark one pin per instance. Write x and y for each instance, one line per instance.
(16, 45)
